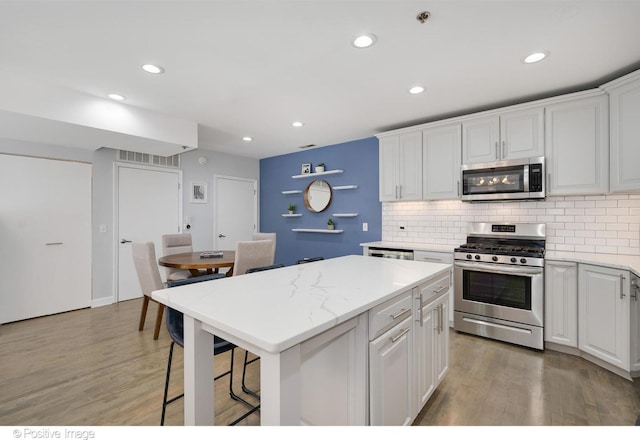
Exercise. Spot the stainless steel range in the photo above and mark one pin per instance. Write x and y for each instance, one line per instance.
(499, 282)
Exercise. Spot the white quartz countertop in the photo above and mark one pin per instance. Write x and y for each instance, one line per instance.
(277, 309)
(414, 246)
(625, 262)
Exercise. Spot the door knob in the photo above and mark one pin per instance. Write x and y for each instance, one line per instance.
(123, 241)
(221, 236)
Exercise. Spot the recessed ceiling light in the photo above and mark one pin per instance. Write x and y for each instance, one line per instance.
(535, 57)
(151, 68)
(363, 41)
(247, 138)
(116, 96)
(297, 124)
(415, 90)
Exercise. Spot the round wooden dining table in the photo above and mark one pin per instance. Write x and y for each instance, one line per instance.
(194, 262)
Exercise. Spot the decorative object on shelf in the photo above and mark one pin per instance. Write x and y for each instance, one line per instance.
(300, 176)
(198, 192)
(319, 168)
(292, 208)
(306, 168)
(330, 225)
(317, 196)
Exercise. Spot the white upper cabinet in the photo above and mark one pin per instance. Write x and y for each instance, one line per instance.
(511, 135)
(624, 135)
(577, 145)
(441, 154)
(401, 167)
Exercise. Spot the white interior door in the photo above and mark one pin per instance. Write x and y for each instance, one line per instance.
(235, 215)
(45, 235)
(148, 206)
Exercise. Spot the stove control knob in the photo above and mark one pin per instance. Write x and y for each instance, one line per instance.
(468, 256)
(494, 258)
(523, 260)
(514, 259)
(477, 257)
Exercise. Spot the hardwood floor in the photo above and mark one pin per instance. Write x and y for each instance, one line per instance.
(92, 367)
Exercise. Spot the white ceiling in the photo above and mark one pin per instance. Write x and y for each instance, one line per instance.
(249, 68)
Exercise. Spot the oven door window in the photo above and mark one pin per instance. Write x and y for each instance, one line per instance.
(498, 289)
(494, 181)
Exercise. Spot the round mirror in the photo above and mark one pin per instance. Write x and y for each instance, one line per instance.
(317, 196)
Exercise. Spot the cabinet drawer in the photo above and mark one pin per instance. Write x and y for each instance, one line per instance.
(433, 257)
(388, 314)
(431, 290)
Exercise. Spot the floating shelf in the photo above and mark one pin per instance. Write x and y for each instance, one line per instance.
(292, 215)
(338, 188)
(302, 176)
(320, 231)
(293, 191)
(347, 214)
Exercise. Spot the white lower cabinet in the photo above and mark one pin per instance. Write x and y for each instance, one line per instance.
(391, 376)
(432, 347)
(635, 326)
(408, 352)
(561, 303)
(604, 314)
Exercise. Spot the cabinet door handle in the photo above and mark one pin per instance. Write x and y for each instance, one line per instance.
(399, 314)
(458, 188)
(396, 192)
(402, 333)
(621, 286)
(504, 150)
(441, 318)
(421, 317)
(400, 191)
(497, 150)
(441, 288)
(56, 243)
(634, 288)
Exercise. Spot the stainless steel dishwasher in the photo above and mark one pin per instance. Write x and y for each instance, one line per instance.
(398, 254)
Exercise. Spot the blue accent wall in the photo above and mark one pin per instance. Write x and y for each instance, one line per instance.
(359, 162)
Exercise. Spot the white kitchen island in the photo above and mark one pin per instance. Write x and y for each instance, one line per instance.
(312, 326)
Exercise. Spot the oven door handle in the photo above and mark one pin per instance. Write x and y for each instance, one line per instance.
(505, 270)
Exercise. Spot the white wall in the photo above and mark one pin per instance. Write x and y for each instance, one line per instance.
(102, 198)
(604, 224)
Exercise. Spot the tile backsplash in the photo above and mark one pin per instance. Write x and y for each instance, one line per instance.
(604, 224)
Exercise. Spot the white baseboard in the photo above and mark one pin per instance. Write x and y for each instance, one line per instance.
(102, 302)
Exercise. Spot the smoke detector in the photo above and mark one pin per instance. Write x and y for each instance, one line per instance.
(423, 16)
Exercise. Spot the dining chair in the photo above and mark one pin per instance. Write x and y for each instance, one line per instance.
(253, 253)
(177, 244)
(146, 264)
(175, 326)
(144, 260)
(266, 236)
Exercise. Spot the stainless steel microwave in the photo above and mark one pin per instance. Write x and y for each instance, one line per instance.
(518, 179)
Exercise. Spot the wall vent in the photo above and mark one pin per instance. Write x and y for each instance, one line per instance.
(149, 159)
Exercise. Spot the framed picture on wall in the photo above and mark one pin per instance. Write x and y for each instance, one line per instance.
(306, 168)
(198, 192)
